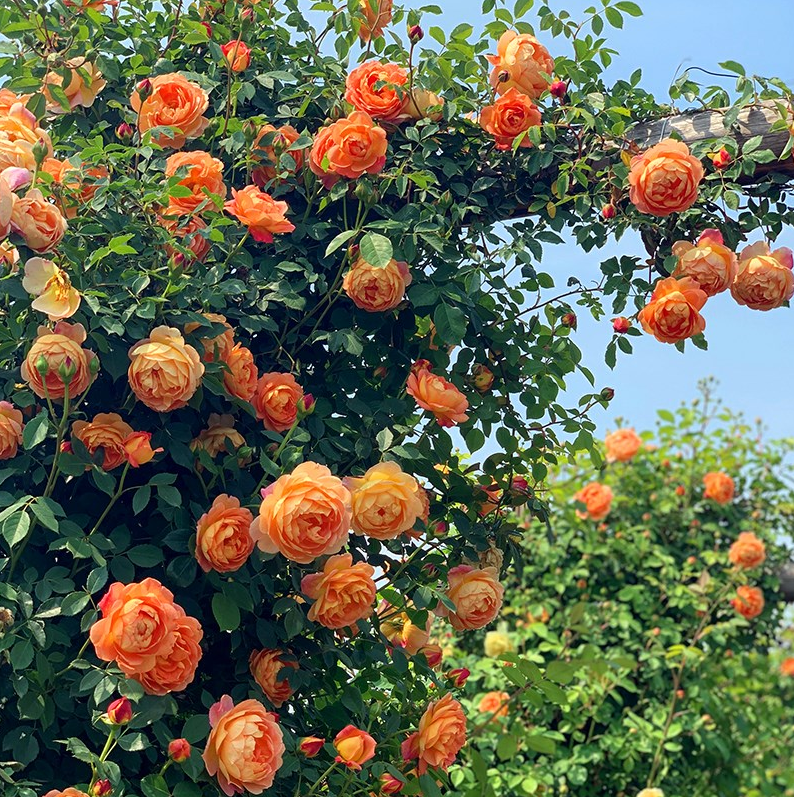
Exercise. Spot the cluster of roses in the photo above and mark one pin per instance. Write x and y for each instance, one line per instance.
(663, 180)
(746, 553)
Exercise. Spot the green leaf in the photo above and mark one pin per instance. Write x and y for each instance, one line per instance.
(340, 239)
(731, 66)
(540, 744)
(42, 509)
(226, 612)
(15, 528)
(376, 250)
(155, 786)
(196, 728)
(74, 603)
(35, 431)
(450, 323)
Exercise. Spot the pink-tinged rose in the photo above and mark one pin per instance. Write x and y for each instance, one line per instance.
(476, 594)
(764, 278)
(521, 62)
(179, 750)
(260, 213)
(237, 54)
(11, 427)
(708, 261)
(119, 711)
(354, 747)
(343, 592)
(311, 746)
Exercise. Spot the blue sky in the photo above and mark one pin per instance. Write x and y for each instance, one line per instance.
(749, 351)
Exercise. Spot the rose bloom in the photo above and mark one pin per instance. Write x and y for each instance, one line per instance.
(495, 703)
(242, 377)
(218, 346)
(8, 99)
(204, 176)
(401, 631)
(174, 102)
(10, 429)
(60, 347)
(38, 221)
(266, 667)
(237, 54)
(343, 593)
(673, 311)
(175, 670)
(54, 293)
(349, 148)
(19, 132)
(138, 449)
(374, 289)
(76, 190)
(747, 551)
(9, 257)
(512, 114)
(304, 514)
(354, 747)
(477, 595)
(385, 501)
(524, 59)
(749, 601)
(436, 394)
(216, 438)
(68, 792)
(280, 140)
(787, 667)
(440, 737)
(377, 15)
(496, 643)
(245, 747)
(223, 536)
(719, 487)
(188, 231)
(622, 445)
(84, 84)
(708, 261)
(137, 625)
(179, 750)
(378, 89)
(651, 793)
(597, 499)
(164, 371)
(764, 279)
(107, 431)
(311, 746)
(664, 179)
(276, 401)
(259, 212)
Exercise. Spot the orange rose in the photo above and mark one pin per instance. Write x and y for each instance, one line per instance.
(377, 14)
(164, 371)
(223, 536)
(749, 601)
(174, 102)
(673, 311)
(440, 737)
(8, 99)
(385, 501)
(245, 747)
(10, 430)
(52, 288)
(709, 262)
(597, 499)
(664, 179)
(107, 431)
(237, 54)
(138, 449)
(349, 148)
(242, 377)
(401, 631)
(377, 88)
(622, 445)
(19, 133)
(217, 347)
(747, 551)
(477, 595)
(38, 221)
(204, 176)
(511, 115)
(66, 363)
(495, 703)
(787, 667)
(343, 593)
(281, 139)
(216, 438)
(188, 231)
(85, 82)
(436, 394)
(9, 257)
(522, 60)
(354, 747)
(138, 624)
(276, 401)
(376, 289)
(764, 279)
(719, 487)
(259, 212)
(175, 670)
(266, 667)
(69, 792)
(304, 514)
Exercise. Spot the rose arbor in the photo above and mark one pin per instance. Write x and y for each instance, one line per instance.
(251, 278)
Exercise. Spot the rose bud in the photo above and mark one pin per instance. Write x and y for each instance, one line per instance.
(608, 393)
(421, 365)
(415, 34)
(138, 448)
(503, 76)
(558, 89)
(305, 405)
(439, 529)
(381, 372)
(144, 88)
(430, 570)
(680, 490)
(621, 325)
(102, 788)
(247, 15)
(40, 151)
(310, 746)
(459, 676)
(482, 378)
(66, 447)
(353, 251)
(679, 693)
(721, 159)
(124, 133)
(119, 712)
(609, 211)
(389, 784)
(179, 750)
(208, 28)
(434, 655)
(520, 484)
(569, 320)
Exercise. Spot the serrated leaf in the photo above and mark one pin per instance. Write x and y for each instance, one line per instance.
(35, 431)
(226, 612)
(376, 250)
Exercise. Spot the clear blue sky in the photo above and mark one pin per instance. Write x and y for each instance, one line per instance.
(750, 352)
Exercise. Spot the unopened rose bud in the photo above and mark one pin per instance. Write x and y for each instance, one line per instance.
(680, 490)
(42, 365)
(124, 133)
(430, 570)
(569, 320)
(247, 15)
(208, 28)
(365, 192)
(353, 251)
(459, 676)
(722, 159)
(102, 788)
(434, 655)
(179, 750)
(482, 378)
(67, 369)
(679, 693)
(520, 484)
(144, 88)
(305, 405)
(250, 130)
(119, 712)
(421, 365)
(656, 631)
(581, 584)
(558, 89)
(40, 151)
(389, 784)
(138, 448)
(440, 528)
(6, 618)
(503, 76)
(381, 372)
(621, 325)
(93, 366)
(66, 447)
(310, 746)
(178, 260)
(415, 34)
(607, 394)
(609, 211)
(690, 560)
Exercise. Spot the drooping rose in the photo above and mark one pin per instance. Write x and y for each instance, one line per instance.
(223, 536)
(749, 601)
(708, 261)
(349, 147)
(476, 594)
(401, 631)
(437, 395)
(719, 487)
(622, 445)
(747, 551)
(510, 115)
(440, 736)
(673, 313)
(218, 436)
(495, 703)
(764, 279)
(276, 401)
(343, 592)
(521, 62)
(242, 377)
(106, 431)
(204, 177)
(374, 289)
(52, 288)
(11, 427)
(354, 747)
(84, 84)
(38, 221)
(237, 54)
(260, 213)
(597, 499)
(268, 156)
(379, 89)
(268, 670)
